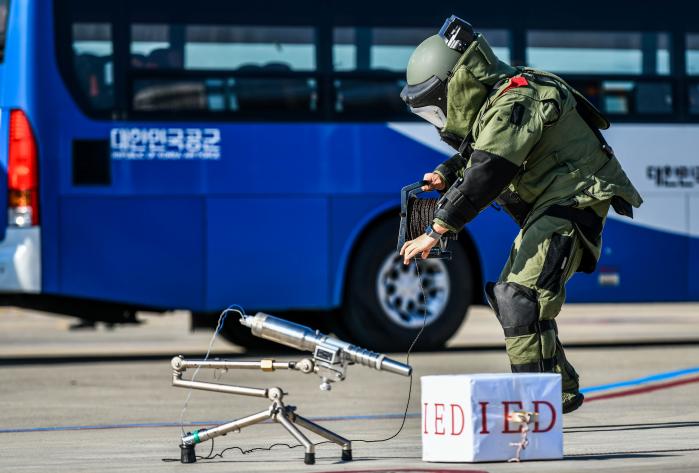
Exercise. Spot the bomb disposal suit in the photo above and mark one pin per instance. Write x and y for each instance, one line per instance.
(530, 144)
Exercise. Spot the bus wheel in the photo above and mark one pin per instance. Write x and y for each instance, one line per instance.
(385, 307)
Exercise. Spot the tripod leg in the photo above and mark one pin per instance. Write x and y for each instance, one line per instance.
(206, 434)
(325, 433)
(310, 456)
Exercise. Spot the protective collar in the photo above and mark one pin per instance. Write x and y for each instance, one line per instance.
(471, 79)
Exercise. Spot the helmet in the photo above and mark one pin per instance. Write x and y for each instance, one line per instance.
(431, 58)
(428, 71)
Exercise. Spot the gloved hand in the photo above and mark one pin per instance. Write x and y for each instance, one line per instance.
(434, 182)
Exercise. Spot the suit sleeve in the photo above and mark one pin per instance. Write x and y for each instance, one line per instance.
(510, 129)
(451, 169)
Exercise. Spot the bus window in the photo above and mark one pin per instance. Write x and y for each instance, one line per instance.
(149, 47)
(388, 49)
(3, 27)
(372, 62)
(370, 67)
(92, 62)
(627, 97)
(653, 98)
(587, 52)
(365, 96)
(197, 47)
(245, 95)
(233, 47)
(692, 53)
(617, 98)
(500, 41)
(694, 99)
(240, 69)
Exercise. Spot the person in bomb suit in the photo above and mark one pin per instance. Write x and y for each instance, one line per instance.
(531, 144)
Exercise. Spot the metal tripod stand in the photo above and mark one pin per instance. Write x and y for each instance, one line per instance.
(277, 411)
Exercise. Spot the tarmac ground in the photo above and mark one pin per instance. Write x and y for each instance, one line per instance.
(102, 400)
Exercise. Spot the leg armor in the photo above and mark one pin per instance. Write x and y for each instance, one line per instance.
(530, 293)
(517, 309)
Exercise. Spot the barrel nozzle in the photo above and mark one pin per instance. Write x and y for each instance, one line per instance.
(246, 320)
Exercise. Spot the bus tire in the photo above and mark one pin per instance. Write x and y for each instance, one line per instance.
(375, 314)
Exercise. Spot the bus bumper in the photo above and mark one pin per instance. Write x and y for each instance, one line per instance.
(20, 260)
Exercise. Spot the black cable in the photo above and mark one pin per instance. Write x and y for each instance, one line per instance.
(252, 450)
(211, 455)
(407, 362)
(208, 457)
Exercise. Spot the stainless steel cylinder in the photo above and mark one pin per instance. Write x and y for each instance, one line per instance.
(377, 361)
(305, 338)
(219, 388)
(393, 366)
(282, 331)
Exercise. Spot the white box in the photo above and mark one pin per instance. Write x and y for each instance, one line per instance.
(463, 417)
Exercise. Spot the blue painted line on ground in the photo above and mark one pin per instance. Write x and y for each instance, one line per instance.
(99, 427)
(62, 428)
(590, 389)
(638, 381)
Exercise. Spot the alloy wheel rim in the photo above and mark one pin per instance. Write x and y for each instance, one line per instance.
(401, 297)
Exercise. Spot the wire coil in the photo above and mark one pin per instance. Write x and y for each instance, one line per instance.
(420, 215)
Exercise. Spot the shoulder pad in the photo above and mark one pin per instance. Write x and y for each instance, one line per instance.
(588, 111)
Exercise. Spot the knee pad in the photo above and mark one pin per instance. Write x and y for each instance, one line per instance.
(516, 307)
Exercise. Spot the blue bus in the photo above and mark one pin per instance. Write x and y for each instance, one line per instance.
(175, 155)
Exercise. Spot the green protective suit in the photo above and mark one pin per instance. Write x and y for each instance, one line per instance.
(524, 144)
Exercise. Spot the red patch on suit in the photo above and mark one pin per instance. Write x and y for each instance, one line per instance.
(517, 81)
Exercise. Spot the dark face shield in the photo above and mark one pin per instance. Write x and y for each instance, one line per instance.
(428, 100)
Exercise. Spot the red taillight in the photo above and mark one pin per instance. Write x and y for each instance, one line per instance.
(22, 172)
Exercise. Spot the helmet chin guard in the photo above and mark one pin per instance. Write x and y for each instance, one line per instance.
(432, 114)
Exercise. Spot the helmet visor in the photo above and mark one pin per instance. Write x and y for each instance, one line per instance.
(427, 100)
(432, 114)
(430, 92)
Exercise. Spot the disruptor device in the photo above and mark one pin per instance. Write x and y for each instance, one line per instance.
(330, 359)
